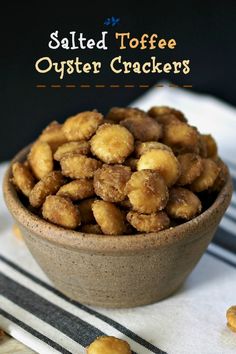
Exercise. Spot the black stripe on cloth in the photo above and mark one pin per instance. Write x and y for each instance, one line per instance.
(102, 317)
(67, 323)
(221, 258)
(34, 332)
(234, 183)
(232, 218)
(225, 239)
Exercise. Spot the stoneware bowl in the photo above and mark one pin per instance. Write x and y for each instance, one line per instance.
(116, 271)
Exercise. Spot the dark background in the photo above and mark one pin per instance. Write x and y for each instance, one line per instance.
(204, 31)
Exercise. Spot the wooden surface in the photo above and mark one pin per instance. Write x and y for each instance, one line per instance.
(9, 345)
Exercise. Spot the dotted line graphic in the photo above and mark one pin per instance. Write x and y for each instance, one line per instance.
(142, 86)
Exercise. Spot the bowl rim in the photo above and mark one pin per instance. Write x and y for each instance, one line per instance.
(80, 241)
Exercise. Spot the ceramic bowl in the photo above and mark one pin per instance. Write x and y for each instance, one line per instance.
(116, 271)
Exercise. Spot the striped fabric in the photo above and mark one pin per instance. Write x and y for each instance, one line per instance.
(192, 321)
(226, 234)
(72, 325)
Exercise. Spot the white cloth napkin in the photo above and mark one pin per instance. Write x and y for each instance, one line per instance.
(192, 321)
